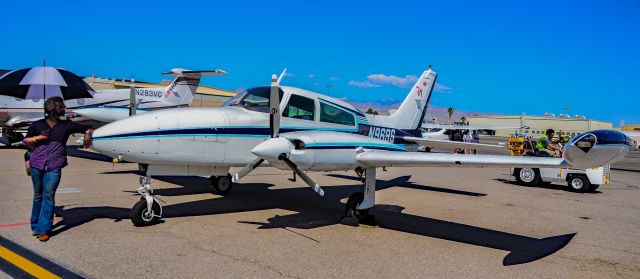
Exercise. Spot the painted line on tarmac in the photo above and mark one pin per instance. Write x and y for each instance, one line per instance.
(18, 262)
(25, 223)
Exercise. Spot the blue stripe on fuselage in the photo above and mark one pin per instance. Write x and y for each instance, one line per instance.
(378, 132)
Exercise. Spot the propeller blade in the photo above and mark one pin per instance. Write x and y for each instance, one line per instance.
(282, 75)
(247, 169)
(274, 107)
(304, 176)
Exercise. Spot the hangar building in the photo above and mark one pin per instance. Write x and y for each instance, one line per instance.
(565, 125)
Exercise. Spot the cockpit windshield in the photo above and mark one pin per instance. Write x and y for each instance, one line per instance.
(255, 99)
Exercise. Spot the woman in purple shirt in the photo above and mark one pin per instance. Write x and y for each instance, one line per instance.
(48, 139)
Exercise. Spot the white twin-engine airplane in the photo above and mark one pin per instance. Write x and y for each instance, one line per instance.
(299, 130)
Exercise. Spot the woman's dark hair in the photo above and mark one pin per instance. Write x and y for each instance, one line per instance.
(50, 104)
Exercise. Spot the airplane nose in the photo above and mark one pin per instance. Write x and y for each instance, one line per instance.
(271, 149)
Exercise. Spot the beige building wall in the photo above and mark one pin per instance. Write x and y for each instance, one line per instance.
(205, 96)
(539, 124)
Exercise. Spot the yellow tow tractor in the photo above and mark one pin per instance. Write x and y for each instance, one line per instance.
(578, 180)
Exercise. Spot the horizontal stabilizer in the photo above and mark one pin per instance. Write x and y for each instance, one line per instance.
(187, 73)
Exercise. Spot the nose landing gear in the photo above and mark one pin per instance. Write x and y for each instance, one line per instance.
(147, 211)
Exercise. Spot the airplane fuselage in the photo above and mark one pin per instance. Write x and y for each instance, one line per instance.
(225, 136)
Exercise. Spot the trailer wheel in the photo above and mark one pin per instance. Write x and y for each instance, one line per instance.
(579, 183)
(527, 176)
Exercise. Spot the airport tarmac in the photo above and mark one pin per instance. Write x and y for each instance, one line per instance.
(434, 223)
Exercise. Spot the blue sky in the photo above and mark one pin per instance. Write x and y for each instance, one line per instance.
(579, 57)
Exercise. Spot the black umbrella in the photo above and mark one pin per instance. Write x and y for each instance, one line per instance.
(43, 82)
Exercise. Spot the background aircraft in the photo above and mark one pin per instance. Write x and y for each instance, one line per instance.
(298, 130)
(437, 136)
(106, 105)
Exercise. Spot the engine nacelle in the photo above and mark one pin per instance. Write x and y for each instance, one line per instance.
(597, 148)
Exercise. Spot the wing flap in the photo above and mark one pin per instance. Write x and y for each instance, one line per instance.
(376, 158)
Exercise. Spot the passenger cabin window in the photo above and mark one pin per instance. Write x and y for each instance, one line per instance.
(332, 114)
(300, 107)
(255, 99)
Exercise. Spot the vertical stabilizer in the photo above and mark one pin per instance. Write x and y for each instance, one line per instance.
(183, 87)
(411, 112)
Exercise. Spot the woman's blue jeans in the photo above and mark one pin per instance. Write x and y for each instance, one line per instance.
(45, 184)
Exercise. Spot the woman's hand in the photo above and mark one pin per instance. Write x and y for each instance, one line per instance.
(87, 138)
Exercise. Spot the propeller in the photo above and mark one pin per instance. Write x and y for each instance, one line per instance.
(302, 174)
(275, 148)
(274, 123)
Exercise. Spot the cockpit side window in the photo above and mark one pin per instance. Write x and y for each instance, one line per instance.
(255, 99)
(300, 107)
(332, 114)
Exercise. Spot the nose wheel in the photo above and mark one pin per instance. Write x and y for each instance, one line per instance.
(142, 216)
(147, 211)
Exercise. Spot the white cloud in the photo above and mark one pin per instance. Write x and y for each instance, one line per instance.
(382, 79)
(335, 78)
(316, 83)
(363, 84)
(312, 75)
(378, 80)
(287, 74)
(442, 88)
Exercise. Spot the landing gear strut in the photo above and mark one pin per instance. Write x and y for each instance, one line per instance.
(147, 211)
(358, 204)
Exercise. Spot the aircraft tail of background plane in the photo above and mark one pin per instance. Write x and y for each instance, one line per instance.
(413, 109)
(182, 88)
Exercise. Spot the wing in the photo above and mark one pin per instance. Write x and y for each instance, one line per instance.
(377, 158)
(450, 144)
(21, 122)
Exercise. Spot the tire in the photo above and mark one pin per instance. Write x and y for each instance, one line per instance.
(579, 183)
(354, 200)
(527, 176)
(221, 185)
(139, 215)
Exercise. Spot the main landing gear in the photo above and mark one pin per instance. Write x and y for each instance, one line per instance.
(359, 203)
(147, 211)
(221, 185)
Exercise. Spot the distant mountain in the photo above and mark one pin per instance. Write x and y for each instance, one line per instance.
(433, 112)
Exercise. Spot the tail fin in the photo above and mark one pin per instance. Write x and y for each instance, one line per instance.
(411, 112)
(182, 89)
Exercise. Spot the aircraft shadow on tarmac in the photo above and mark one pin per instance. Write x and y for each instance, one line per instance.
(544, 185)
(313, 212)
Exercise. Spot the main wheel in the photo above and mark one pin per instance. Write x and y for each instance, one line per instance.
(221, 184)
(527, 176)
(141, 216)
(579, 183)
(351, 209)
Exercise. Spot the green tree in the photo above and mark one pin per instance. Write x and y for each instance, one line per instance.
(450, 111)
